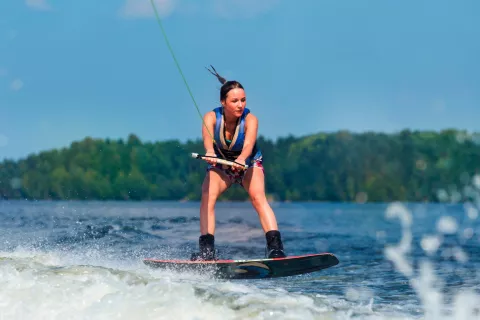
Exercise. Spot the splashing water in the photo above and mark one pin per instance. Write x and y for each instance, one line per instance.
(83, 260)
(465, 303)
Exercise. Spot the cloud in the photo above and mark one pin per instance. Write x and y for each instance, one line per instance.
(234, 9)
(41, 5)
(16, 85)
(229, 9)
(143, 8)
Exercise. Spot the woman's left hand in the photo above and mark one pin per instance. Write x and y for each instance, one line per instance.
(240, 164)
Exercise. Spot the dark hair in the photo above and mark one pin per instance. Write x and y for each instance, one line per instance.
(226, 85)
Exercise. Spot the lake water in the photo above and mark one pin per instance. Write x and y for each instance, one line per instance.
(83, 260)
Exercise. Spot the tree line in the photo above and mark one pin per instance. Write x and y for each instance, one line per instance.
(339, 166)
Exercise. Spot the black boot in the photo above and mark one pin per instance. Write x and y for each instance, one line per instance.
(207, 248)
(274, 245)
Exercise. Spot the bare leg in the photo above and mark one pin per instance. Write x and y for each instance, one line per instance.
(254, 184)
(214, 184)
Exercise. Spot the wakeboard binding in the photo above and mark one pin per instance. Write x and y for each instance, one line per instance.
(207, 251)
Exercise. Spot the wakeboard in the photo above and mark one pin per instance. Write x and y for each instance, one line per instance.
(251, 269)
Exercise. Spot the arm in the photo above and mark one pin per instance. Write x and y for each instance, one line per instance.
(209, 119)
(251, 129)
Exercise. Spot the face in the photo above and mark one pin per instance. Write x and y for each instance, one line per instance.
(235, 102)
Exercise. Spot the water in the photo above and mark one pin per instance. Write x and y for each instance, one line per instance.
(83, 260)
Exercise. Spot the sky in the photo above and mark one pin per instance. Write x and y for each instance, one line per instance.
(71, 69)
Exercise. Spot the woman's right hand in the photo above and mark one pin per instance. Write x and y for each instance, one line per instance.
(212, 161)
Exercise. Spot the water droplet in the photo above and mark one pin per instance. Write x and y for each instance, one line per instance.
(469, 192)
(460, 255)
(472, 212)
(468, 233)
(398, 210)
(455, 196)
(442, 195)
(476, 181)
(447, 225)
(430, 244)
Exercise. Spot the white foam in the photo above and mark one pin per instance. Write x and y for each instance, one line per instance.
(36, 291)
(466, 305)
(53, 285)
(359, 294)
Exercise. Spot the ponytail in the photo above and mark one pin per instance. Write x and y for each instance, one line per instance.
(215, 73)
(226, 85)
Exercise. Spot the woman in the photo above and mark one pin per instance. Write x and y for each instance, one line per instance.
(235, 132)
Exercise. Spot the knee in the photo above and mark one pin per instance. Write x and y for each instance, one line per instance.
(257, 197)
(208, 195)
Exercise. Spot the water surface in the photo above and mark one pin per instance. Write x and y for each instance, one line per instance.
(83, 260)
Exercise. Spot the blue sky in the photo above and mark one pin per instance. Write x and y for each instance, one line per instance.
(70, 69)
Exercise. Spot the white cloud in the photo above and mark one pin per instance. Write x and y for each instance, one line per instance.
(143, 8)
(38, 5)
(243, 8)
(230, 9)
(16, 85)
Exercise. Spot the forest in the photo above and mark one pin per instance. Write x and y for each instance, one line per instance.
(338, 167)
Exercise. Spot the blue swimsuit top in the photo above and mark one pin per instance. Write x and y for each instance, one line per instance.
(233, 148)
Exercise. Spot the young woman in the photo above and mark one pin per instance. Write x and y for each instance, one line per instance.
(235, 131)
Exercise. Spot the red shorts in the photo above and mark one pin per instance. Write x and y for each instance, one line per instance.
(236, 176)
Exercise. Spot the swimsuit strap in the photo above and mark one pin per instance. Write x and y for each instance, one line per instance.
(225, 127)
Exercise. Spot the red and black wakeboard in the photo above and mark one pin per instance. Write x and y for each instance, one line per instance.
(251, 269)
